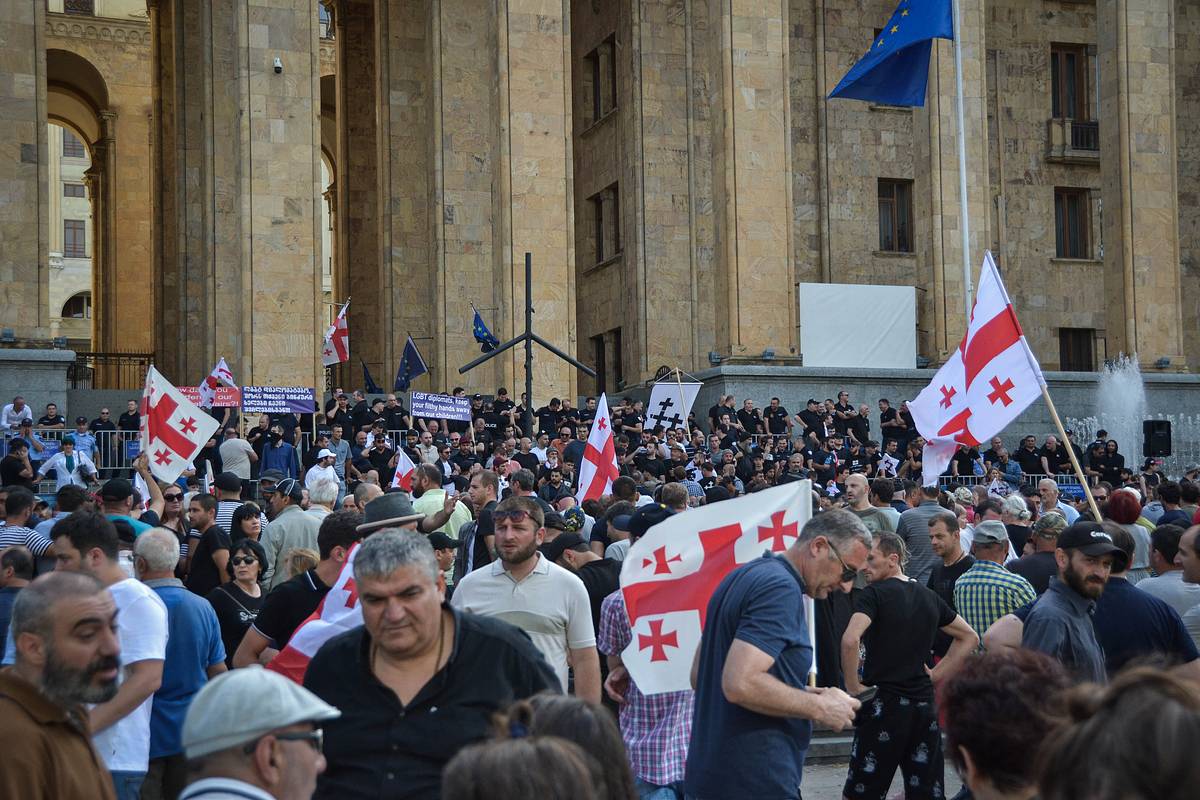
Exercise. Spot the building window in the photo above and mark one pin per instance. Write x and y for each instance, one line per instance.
(1068, 81)
(74, 239)
(895, 216)
(618, 360)
(79, 7)
(600, 78)
(73, 190)
(72, 147)
(1072, 223)
(1076, 351)
(606, 222)
(600, 359)
(79, 306)
(324, 22)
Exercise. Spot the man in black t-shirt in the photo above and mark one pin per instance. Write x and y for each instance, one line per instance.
(549, 417)
(897, 618)
(810, 418)
(750, 419)
(778, 420)
(890, 424)
(52, 419)
(208, 546)
(131, 420)
(1028, 457)
(844, 413)
(15, 468)
(945, 542)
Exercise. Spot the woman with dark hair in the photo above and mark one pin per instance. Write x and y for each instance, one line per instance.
(174, 518)
(591, 727)
(237, 602)
(539, 767)
(996, 710)
(246, 523)
(1124, 508)
(1112, 463)
(1132, 740)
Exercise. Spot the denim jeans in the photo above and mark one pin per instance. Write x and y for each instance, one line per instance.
(128, 784)
(651, 791)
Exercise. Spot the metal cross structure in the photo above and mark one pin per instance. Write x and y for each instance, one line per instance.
(528, 337)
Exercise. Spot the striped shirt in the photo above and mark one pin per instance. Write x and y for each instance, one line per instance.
(19, 535)
(988, 591)
(225, 509)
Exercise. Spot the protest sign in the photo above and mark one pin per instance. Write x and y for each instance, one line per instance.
(440, 406)
(278, 399)
(227, 396)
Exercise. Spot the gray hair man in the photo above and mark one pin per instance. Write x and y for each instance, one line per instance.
(752, 665)
(322, 496)
(412, 655)
(67, 654)
(254, 734)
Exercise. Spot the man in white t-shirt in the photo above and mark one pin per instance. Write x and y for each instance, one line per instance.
(87, 542)
(546, 601)
(237, 455)
(322, 470)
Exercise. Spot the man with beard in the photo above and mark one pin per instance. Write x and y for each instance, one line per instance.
(545, 600)
(65, 631)
(87, 542)
(1060, 624)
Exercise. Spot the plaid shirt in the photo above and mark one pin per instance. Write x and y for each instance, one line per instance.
(988, 591)
(656, 728)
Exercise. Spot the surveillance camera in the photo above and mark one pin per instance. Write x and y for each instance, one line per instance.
(278, 65)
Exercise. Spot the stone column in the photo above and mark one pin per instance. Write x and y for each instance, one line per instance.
(935, 130)
(1139, 178)
(100, 179)
(238, 154)
(24, 240)
(752, 164)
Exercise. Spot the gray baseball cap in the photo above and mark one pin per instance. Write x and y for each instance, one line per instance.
(242, 705)
(989, 532)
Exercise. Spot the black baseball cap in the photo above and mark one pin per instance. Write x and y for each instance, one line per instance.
(116, 489)
(80, 419)
(228, 482)
(646, 517)
(441, 541)
(270, 475)
(1091, 539)
(290, 487)
(553, 550)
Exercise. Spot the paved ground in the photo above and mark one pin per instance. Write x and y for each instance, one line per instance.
(824, 782)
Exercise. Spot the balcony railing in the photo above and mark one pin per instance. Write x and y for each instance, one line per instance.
(109, 370)
(1072, 141)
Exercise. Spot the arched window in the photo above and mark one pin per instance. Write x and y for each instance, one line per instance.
(79, 306)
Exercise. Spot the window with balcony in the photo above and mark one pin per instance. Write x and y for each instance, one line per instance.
(600, 79)
(1072, 223)
(1068, 81)
(79, 7)
(74, 190)
(1076, 349)
(72, 147)
(74, 238)
(895, 216)
(606, 223)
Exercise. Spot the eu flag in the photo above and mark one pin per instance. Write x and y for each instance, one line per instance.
(896, 69)
(411, 366)
(483, 335)
(369, 385)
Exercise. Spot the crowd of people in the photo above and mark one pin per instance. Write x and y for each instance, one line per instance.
(989, 619)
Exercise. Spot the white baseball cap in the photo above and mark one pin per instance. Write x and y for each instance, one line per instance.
(326, 453)
(242, 705)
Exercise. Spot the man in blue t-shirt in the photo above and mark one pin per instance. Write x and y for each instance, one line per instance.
(194, 655)
(753, 715)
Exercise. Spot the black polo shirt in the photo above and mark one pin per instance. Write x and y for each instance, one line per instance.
(289, 604)
(380, 748)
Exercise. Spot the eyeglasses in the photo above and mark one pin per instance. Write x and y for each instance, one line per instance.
(848, 572)
(316, 738)
(172, 498)
(516, 515)
(238, 561)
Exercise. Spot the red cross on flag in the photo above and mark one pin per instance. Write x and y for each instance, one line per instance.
(338, 612)
(989, 380)
(670, 573)
(599, 467)
(207, 389)
(402, 479)
(336, 346)
(173, 429)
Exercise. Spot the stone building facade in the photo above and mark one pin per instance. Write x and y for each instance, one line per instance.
(673, 166)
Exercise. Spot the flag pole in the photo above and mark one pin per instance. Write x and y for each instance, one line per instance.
(1071, 453)
(962, 164)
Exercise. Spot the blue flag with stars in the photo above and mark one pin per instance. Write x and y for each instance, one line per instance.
(369, 385)
(411, 366)
(483, 335)
(896, 69)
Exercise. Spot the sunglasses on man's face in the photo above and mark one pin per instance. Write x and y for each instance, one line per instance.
(516, 516)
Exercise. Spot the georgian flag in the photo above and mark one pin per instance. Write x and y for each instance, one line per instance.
(338, 612)
(207, 389)
(991, 378)
(402, 479)
(599, 468)
(669, 575)
(173, 430)
(336, 346)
